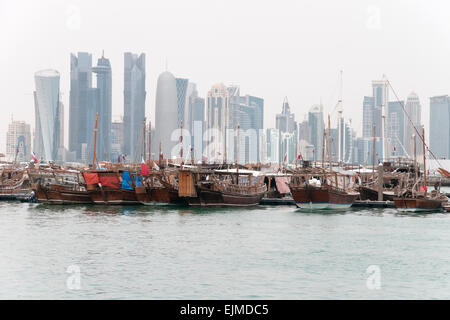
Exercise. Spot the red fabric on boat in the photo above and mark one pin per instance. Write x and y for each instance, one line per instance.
(112, 182)
(144, 169)
(90, 177)
(282, 184)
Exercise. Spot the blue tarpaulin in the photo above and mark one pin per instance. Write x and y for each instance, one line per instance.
(126, 181)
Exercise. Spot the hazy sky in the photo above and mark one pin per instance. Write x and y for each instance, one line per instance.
(272, 49)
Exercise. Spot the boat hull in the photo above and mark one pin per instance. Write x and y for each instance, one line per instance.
(322, 198)
(213, 198)
(112, 196)
(417, 204)
(367, 193)
(60, 195)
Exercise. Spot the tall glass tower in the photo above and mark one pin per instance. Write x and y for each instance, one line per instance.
(80, 102)
(104, 86)
(134, 103)
(47, 114)
(440, 126)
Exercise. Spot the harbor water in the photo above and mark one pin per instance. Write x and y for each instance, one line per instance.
(269, 252)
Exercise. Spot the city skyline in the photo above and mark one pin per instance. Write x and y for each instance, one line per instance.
(305, 76)
(175, 94)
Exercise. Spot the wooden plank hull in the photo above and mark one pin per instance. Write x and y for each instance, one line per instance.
(213, 198)
(367, 193)
(418, 204)
(322, 198)
(113, 196)
(157, 196)
(51, 195)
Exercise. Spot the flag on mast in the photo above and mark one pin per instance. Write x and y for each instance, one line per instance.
(34, 157)
(144, 168)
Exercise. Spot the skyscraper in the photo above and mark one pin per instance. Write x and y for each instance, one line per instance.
(317, 125)
(381, 97)
(47, 116)
(413, 109)
(18, 141)
(217, 121)
(368, 116)
(134, 103)
(250, 114)
(166, 115)
(104, 86)
(395, 128)
(81, 104)
(196, 121)
(182, 94)
(440, 126)
(117, 139)
(286, 124)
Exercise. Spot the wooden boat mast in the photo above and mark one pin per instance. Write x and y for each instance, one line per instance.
(329, 147)
(373, 152)
(144, 147)
(416, 173)
(323, 149)
(149, 140)
(237, 151)
(95, 140)
(181, 139)
(424, 162)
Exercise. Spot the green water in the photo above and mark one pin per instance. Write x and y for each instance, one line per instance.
(180, 253)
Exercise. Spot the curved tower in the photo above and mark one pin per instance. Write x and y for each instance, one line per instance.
(166, 114)
(47, 113)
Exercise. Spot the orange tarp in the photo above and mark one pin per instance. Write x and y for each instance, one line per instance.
(110, 181)
(91, 177)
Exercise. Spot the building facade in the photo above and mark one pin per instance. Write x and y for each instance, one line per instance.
(80, 103)
(166, 116)
(134, 95)
(439, 135)
(18, 141)
(104, 108)
(47, 117)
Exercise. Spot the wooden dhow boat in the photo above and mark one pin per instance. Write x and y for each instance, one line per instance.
(109, 187)
(415, 198)
(221, 188)
(59, 186)
(14, 184)
(318, 188)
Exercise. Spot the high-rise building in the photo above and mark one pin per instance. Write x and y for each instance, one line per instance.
(440, 126)
(134, 104)
(104, 86)
(272, 145)
(316, 125)
(250, 114)
(166, 116)
(395, 128)
(381, 97)
(182, 94)
(117, 141)
(18, 141)
(413, 109)
(286, 124)
(47, 108)
(217, 121)
(285, 121)
(368, 114)
(196, 122)
(81, 104)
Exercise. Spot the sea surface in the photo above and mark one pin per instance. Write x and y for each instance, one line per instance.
(139, 252)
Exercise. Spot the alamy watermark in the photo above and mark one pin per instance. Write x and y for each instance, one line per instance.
(373, 281)
(73, 281)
